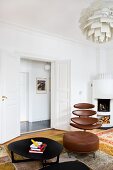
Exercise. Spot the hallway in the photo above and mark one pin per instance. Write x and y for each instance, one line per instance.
(26, 126)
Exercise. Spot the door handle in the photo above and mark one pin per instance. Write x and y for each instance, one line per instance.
(3, 98)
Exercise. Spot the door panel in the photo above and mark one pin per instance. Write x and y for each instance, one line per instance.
(61, 110)
(9, 108)
(24, 116)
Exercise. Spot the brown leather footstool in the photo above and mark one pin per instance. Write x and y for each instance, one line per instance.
(81, 142)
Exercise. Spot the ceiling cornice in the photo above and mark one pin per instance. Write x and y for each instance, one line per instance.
(46, 34)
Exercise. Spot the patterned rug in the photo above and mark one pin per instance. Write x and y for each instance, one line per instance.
(106, 141)
(103, 161)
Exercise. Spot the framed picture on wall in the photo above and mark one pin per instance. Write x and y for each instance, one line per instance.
(41, 85)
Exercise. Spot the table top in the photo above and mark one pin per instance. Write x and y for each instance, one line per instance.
(71, 165)
(22, 147)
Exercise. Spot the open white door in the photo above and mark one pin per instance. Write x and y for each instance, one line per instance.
(60, 94)
(9, 97)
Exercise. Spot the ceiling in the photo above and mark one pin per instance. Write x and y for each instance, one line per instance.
(56, 17)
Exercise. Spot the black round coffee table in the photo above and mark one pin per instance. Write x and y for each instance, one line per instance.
(22, 147)
(71, 165)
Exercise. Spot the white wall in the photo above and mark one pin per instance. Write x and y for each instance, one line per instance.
(106, 59)
(109, 60)
(84, 68)
(39, 104)
(84, 57)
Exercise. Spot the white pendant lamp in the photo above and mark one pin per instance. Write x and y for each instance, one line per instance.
(96, 22)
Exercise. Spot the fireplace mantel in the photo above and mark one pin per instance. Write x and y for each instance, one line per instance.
(103, 90)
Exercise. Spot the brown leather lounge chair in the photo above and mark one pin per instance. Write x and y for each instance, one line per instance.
(82, 141)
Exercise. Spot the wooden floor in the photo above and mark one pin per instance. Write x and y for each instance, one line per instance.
(48, 132)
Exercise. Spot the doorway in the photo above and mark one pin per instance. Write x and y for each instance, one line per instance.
(10, 83)
(35, 95)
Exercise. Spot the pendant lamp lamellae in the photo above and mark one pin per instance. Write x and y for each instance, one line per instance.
(96, 22)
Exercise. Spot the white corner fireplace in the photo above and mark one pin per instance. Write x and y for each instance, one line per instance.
(102, 98)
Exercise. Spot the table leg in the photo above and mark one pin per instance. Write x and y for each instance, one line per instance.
(17, 161)
(57, 161)
(12, 157)
(45, 163)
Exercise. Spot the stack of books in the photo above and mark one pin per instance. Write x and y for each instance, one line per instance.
(37, 147)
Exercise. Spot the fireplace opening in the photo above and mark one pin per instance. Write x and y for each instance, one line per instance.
(103, 105)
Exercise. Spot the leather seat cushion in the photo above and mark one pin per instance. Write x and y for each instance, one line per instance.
(81, 141)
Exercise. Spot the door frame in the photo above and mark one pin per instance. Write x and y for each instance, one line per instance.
(45, 59)
(36, 58)
(56, 94)
(26, 77)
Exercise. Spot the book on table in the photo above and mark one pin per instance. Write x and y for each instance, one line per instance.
(37, 147)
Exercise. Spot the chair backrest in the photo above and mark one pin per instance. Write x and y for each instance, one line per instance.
(84, 119)
(84, 113)
(84, 106)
